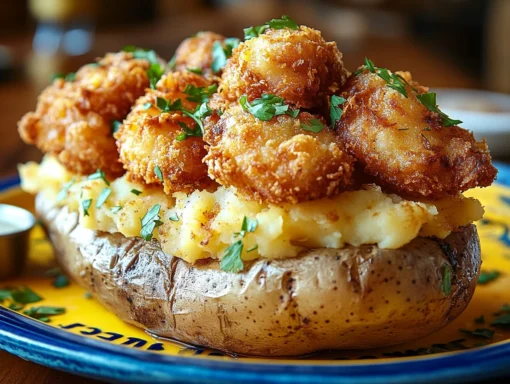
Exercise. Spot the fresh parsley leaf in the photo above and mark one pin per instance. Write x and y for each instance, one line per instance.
(484, 333)
(188, 132)
(314, 125)
(99, 175)
(115, 209)
(65, 189)
(446, 284)
(221, 52)
(158, 173)
(505, 308)
(61, 281)
(480, 319)
(198, 71)
(176, 105)
(487, 277)
(16, 306)
(172, 63)
(174, 217)
(150, 221)
(199, 94)
(267, 107)
(249, 225)
(116, 125)
(5, 294)
(86, 205)
(156, 69)
(25, 295)
(154, 73)
(231, 260)
(335, 112)
(87, 295)
(256, 246)
(136, 192)
(284, 22)
(146, 106)
(42, 313)
(502, 321)
(429, 101)
(102, 197)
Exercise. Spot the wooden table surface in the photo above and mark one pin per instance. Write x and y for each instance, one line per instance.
(19, 96)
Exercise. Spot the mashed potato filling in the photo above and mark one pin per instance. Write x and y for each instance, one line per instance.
(204, 223)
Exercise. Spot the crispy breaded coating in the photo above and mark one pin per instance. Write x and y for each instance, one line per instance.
(196, 52)
(405, 146)
(148, 138)
(298, 65)
(276, 161)
(73, 119)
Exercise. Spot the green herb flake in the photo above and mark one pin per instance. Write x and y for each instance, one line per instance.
(505, 308)
(16, 306)
(446, 284)
(87, 295)
(99, 175)
(199, 94)
(43, 313)
(174, 217)
(61, 281)
(284, 22)
(487, 277)
(136, 192)
(176, 105)
(314, 125)
(480, 319)
(172, 63)
(116, 125)
(25, 296)
(335, 112)
(146, 106)
(256, 246)
(221, 52)
(502, 321)
(65, 190)
(249, 225)
(429, 101)
(85, 204)
(158, 173)
(267, 107)
(484, 333)
(231, 260)
(115, 209)
(150, 221)
(197, 71)
(5, 294)
(102, 197)
(156, 69)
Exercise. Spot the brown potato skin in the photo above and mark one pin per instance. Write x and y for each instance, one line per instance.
(298, 65)
(196, 52)
(404, 146)
(148, 138)
(275, 161)
(73, 119)
(349, 298)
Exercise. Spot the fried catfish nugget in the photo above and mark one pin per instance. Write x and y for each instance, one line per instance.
(406, 147)
(276, 161)
(73, 119)
(298, 65)
(196, 52)
(150, 138)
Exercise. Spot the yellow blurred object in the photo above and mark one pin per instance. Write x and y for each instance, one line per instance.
(61, 10)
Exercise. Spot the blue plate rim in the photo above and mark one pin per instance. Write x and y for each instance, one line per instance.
(56, 348)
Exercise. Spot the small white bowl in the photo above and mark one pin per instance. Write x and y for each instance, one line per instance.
(485, 113)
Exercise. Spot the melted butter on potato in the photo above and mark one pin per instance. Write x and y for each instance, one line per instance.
(204, 223)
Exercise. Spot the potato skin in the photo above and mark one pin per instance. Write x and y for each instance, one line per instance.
(324, 299)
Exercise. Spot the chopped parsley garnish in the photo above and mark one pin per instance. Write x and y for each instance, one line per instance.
(446, 284)
(115, 209)
(505, 308)
(65, 189)
(502, 321)
(24, 295)
(199, 94)
(150, 221)
(335, 112)
(116, 125)
(188, 132)
(267, 107)
(256, 246)
(484, 333)
(5, 294)
(86, 206)
(172, 63)
(146, 106)
(314, 125)
(87, 295)
(398, 83)
(43, 313)
(198, 71)
(158, 173)
(61, 281)
(200, 112)
(136, 192)
(156, 70)
(284, 22)
(221, 52)
(102, 197)
(174, 217)
(231, 260)
(71, 76)
(16, 306)
(487, 277)
(480, 319)
(429, 101)
(99, 175)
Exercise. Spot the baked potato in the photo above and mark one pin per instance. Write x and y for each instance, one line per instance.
(355, 297)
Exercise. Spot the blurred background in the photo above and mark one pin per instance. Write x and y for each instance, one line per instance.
(444, 43)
